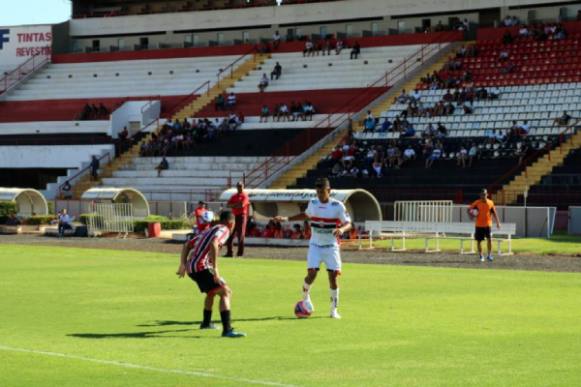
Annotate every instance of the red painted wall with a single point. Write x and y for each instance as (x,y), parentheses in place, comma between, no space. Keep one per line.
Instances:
(325,101)
(374,41)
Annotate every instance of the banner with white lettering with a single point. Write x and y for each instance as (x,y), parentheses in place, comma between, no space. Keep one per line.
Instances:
(19,43)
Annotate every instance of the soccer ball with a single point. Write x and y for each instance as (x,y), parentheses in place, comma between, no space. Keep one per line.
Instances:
(474,212)
(302,309)
(208,216)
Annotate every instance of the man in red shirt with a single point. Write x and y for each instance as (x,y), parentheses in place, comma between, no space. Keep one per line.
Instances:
(201,223)
(239,203)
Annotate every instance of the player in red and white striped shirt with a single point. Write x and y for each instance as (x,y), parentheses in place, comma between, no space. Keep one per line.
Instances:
(199,259)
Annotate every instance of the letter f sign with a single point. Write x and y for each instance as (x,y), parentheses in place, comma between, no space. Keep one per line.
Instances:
(4,37)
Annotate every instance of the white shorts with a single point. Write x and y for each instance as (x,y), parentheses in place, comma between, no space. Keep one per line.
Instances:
(329,255)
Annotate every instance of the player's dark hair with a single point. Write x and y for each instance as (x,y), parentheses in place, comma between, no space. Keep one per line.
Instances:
(226,216)
(322,182)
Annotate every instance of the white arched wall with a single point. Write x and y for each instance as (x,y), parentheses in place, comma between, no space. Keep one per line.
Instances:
(119,195)
(30,202)
(361,204)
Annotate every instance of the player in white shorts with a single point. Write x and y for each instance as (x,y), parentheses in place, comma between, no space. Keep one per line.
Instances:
(329,220)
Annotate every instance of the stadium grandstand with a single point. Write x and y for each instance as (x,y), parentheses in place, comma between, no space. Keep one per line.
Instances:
(406,101)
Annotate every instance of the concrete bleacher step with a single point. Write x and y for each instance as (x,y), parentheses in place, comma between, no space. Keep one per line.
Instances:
(441,58)
(188,111)
(533,174)
(291,177)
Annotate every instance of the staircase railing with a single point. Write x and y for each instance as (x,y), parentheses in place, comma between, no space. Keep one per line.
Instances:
(228,71)
(528,160)
(23,72)
(82,172)
(189,98)
(342,114)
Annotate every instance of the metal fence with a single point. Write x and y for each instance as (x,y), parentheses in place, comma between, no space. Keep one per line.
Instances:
(429,211)
(110,218)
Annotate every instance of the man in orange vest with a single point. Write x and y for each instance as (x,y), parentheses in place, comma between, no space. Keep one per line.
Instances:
(239,203)
(483,210)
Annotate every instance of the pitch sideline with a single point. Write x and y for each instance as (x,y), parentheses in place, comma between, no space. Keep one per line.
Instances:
(142,367)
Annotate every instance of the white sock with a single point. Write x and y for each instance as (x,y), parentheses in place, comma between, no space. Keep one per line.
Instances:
(306,292)
(334,293)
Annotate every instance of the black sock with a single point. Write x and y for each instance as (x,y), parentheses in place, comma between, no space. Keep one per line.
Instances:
(225,316)
(207,317)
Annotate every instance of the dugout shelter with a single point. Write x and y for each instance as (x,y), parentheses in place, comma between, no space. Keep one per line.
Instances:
(119,195)
(266,203)
(30,201)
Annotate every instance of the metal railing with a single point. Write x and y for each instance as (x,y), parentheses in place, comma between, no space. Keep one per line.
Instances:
(228,71)
(23,72)
(82,172)
(498,184)
(189,98)
(342,114)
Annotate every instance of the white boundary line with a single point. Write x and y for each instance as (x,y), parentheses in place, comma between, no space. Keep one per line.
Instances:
(142,367)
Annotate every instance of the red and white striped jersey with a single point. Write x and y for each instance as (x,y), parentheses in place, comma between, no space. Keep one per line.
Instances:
(325,217)
(200,245)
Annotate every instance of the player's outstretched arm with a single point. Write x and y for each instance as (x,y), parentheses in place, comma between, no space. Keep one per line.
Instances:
(183,259)
(496,218)
(294,218)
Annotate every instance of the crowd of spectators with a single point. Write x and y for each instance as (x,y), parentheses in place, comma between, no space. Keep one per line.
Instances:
(296,111)
(182,136)
(94,112)
(460,98)
(277,230)
(327,45)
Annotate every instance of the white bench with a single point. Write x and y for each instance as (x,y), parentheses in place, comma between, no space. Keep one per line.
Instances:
(437,231)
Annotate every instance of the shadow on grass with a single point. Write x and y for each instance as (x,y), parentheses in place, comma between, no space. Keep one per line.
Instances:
(132,335)
(163,323)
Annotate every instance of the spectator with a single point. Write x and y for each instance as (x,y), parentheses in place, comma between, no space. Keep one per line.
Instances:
(385,126)
(308,110)
(435,155)
(507,38)
(12,220)
(275,40)
(231,101)
(66,191)
(377,168)
(339,46)
(264,113)
(442,130)
(297,111)
(355,51)
(563,120)
(462,157)
(472,154)
(309,48)
(409,131)
(94,167)
(64,222)
(415,96)
(283,112)
(369,124)
(409,154)
(219,103)
(276,71)
(103,111)
(162,166)
(263,84)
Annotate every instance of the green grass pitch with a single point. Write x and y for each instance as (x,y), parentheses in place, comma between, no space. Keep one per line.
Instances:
(80,317)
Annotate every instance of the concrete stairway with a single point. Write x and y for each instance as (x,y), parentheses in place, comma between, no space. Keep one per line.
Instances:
(290,177)
(188,111)
(533,174)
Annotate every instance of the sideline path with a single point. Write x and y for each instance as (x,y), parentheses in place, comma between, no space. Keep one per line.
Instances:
(377,256)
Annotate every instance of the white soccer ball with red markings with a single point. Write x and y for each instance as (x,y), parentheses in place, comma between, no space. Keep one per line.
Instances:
(474,212)
(303,309)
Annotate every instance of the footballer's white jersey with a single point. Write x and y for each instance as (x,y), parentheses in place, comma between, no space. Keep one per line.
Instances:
(325,217)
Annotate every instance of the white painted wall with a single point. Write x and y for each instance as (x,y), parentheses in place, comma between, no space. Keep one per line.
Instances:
(54,156)
(134,113)
(286,14)
(55,127)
